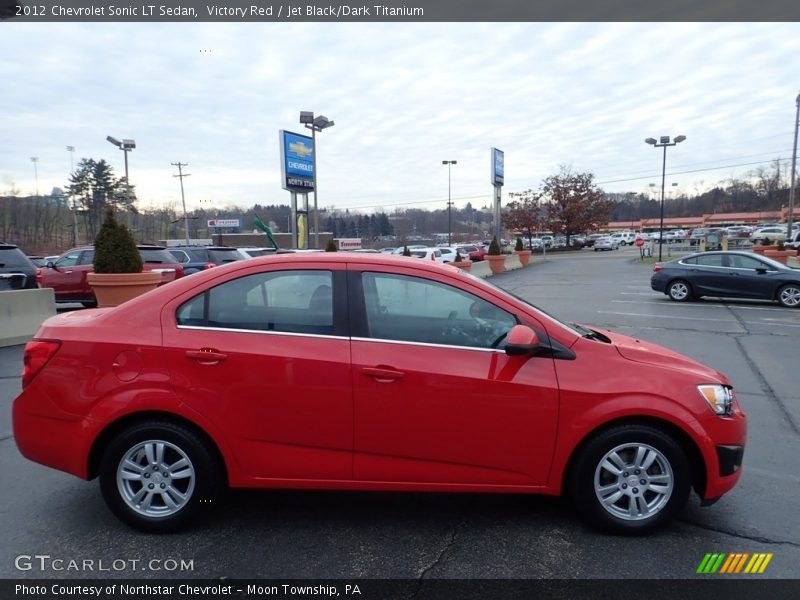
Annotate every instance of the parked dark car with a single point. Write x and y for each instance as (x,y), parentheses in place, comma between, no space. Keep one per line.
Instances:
(200,258)
(727,275)
(67,274)
(17,272)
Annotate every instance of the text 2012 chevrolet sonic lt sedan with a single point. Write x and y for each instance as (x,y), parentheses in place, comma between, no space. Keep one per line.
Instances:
(368,372)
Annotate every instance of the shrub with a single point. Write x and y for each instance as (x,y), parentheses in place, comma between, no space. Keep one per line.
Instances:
(115,249)
(458,257)
(494,248)
(766,242)
(518,246)
(781,245)
(330,246)
(406,251)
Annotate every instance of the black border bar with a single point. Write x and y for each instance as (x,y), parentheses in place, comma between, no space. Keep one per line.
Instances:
(288,11)
(702,588)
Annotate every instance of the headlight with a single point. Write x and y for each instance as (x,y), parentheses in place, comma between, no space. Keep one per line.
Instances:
(718,397)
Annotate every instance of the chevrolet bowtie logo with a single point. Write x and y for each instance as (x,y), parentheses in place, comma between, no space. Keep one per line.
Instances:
(301,149)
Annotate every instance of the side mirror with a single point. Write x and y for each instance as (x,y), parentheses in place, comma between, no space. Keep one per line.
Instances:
(50,264)
(522,341)
(761,270)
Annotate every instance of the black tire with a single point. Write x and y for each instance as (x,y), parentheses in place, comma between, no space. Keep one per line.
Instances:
(184,495)
(679,290)
(630,507)
(789,295)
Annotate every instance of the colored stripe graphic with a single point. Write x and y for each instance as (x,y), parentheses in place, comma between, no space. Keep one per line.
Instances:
(727,564)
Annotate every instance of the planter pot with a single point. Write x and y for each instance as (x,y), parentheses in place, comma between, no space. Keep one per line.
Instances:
(762,249)
(464,264)
(496,263)
(112,289)
(782,256)
(524,256)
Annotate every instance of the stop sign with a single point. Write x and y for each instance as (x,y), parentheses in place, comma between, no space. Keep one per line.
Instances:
(639,242)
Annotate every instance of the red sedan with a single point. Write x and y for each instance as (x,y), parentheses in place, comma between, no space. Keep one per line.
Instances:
(67,274)
(368,372)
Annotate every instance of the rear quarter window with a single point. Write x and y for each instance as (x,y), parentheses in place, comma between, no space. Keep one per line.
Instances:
(14,258)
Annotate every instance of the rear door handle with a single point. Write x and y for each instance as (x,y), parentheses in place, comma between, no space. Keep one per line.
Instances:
(206,356)
(383,374)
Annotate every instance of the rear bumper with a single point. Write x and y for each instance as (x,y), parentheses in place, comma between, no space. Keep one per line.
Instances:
(59,443)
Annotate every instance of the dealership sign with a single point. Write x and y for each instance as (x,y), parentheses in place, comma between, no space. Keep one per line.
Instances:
(297,162)
(498,166)
(223,223)
(349,243)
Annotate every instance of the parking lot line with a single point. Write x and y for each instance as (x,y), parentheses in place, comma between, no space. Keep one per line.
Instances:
(630,314)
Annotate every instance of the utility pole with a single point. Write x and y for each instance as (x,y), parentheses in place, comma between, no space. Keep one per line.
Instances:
(181,175)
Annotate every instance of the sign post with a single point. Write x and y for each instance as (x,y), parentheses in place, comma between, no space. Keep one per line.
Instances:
(498,178)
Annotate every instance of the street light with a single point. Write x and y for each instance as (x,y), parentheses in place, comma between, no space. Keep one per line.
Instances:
(449,203)
(125,146)
(663,142)
(71,150)
(315,124)
(794,163)
(34,160)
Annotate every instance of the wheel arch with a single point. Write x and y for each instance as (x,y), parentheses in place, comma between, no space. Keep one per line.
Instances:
(693,454)
(107,435)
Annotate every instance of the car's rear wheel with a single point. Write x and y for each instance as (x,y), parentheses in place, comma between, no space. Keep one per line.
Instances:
(679,290)
(789,295)
(631,479)
(156,476)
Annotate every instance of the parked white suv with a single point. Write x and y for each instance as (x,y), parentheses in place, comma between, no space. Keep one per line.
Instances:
(624,238)
(773,234)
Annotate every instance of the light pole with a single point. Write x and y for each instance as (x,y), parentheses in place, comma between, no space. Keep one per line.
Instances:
(71,150)
(34,160)
(181,175)
(663,142)
(449,203)
(125,146)
(315,124)
(794,164)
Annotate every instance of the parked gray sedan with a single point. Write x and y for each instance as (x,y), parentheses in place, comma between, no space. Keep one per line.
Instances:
(727,275)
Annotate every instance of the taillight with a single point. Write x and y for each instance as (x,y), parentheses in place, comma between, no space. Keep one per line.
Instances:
(37,354)
(209,265)
(657,267)
(39,277)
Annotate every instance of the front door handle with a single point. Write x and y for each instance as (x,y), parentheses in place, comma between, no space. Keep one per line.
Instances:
(383,374)
(206,356)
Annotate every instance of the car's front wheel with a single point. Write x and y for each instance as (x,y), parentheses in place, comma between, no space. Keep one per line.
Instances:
(789,295)
(631,479)
(156,476)
(679,290)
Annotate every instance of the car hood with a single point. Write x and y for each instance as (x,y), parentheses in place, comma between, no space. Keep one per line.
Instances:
(636,350)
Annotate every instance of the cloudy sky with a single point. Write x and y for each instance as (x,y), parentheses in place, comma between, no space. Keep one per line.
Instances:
(404,97)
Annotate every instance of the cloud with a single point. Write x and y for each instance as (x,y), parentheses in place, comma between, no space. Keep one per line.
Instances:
(403,96)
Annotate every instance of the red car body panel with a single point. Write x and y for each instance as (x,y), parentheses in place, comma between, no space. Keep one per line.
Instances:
(479,254)
(313,411)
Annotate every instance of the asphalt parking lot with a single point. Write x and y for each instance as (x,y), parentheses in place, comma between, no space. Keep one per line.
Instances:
(420,536)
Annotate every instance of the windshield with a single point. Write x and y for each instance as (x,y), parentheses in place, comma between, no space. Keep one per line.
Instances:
(221,255)
(571,328)
(152,255)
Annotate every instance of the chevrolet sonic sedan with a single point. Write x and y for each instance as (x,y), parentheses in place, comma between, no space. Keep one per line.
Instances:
(368,372)
(728,274)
